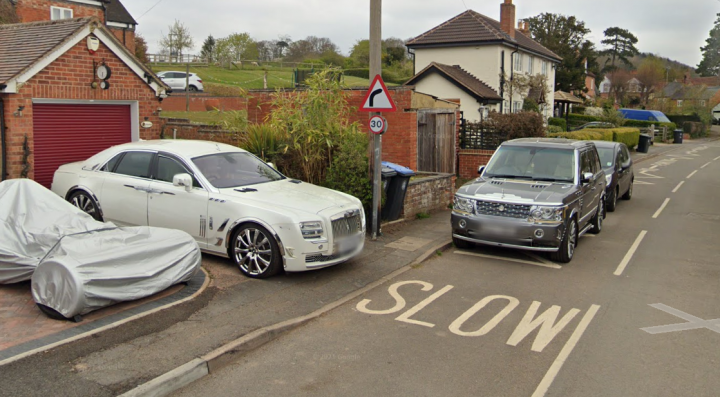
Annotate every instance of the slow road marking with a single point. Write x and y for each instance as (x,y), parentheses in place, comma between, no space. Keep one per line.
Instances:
(678,187)
(662,207)
(628,257)
(692,322)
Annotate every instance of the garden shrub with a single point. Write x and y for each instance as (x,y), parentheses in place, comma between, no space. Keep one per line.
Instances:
(647,124)
(361,73)
(607,134)
(554,129)
(582,135)
(265,142)
(224,90)
(556,121)
(349,170)
(628,136)
(518,125)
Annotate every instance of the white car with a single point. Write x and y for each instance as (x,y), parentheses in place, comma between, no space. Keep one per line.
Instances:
(230,201)
(178,80)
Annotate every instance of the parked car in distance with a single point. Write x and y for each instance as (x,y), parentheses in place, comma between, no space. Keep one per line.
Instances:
(645,115)
(618,167)
(232,203)
(178,80)
(537,194)
(594,124)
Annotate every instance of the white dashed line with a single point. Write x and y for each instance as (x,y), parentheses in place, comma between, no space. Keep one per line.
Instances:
(629,255)
(662,207)
(678,187)
(549,377)
(691,174)
(716,158)
(706,164)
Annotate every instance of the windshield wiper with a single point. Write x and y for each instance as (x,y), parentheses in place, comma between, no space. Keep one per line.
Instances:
(550,180)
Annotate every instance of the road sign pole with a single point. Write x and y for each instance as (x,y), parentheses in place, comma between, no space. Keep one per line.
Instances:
(375,70)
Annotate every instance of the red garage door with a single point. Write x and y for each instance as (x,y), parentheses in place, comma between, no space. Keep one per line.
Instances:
(68,133)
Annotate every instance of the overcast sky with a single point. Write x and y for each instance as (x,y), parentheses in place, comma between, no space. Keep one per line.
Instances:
(669,28)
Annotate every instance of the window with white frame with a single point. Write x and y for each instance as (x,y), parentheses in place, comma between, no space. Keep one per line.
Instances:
(531,61)
(544,68)
(517,106)
(518,62)
(679,103)
(60,13)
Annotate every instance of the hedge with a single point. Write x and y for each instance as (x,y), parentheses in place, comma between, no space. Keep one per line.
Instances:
(628,136)
(554,129)
(558,122)
(680,119)
(646,124)
(361,73)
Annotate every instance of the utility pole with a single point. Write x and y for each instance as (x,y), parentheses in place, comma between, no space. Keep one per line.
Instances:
(375,69)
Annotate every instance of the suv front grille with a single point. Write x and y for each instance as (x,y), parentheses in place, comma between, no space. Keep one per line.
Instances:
(344,227)
(518,211)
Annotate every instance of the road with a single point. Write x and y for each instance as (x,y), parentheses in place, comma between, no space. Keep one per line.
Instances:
(634,313)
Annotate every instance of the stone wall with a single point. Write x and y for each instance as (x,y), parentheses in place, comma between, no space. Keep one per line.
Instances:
(433,192)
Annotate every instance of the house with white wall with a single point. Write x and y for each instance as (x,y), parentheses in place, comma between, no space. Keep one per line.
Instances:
(489,51)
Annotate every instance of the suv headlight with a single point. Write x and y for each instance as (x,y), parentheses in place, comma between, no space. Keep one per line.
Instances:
(311,230)
(547,214)
(463,205)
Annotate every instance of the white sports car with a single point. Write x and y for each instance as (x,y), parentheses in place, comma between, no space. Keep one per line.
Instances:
(232,203)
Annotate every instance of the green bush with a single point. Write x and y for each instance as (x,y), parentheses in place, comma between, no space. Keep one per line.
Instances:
(607,134)
(695,129)
(556,121)
(361,73)
(349,170)
(554,129)
(680,119)
(582,135)
(265,142)
(517,125)
(529,105)
(578,109)
(628,136)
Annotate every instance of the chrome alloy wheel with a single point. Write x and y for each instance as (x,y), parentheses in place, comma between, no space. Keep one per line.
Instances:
(85,203)
(572,238)
(253,251)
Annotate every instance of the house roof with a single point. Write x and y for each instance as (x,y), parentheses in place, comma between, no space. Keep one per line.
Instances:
(472,28)
(116,12)
(27,48)
(461,78)
(671,88)
(22,44)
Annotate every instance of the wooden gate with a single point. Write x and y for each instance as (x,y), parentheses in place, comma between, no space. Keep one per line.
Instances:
(436,141)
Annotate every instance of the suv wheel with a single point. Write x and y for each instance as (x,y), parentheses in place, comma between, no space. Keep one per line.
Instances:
(568,244)
(612,200)
(597,220)
(193,88)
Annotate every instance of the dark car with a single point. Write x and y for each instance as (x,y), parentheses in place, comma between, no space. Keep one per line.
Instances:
(594,124)
(618,167)
(536,194)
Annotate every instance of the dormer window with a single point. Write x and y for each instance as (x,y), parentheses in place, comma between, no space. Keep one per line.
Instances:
(60,13)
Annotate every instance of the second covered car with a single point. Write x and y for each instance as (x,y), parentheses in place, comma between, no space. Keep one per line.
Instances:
(230,201)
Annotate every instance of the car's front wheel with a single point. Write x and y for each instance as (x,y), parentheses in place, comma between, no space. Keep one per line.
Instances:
(255,251)
(568,243)
(86,203)
(193,88)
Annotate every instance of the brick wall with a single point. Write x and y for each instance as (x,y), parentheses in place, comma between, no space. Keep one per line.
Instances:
(470,160)
(126,36)
(428,194)
(39,10)
(203,102)
(69,77)
(183,129)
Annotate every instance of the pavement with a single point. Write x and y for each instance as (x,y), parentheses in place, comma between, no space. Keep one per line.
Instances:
(198,334)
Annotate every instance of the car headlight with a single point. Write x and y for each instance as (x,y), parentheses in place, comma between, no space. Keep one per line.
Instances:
(608,179)
(463,205)
(552,214)
(311,230)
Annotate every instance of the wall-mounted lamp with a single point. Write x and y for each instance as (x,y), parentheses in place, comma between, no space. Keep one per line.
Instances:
(18,113)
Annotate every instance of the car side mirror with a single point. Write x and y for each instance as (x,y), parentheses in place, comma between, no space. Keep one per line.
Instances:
(183,180)
(627,165)
(481,169)
(588,177)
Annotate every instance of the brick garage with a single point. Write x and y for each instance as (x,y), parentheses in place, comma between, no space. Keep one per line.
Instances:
(62,73)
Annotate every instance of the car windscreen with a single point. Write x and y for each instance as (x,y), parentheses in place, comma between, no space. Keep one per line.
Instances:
(606,156)
(226,170)
(543,164)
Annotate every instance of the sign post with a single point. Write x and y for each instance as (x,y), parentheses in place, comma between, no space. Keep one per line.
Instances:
(377,100)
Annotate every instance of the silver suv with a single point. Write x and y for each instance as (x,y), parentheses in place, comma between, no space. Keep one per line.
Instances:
(537,194)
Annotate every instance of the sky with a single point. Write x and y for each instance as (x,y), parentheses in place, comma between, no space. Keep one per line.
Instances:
(668,28)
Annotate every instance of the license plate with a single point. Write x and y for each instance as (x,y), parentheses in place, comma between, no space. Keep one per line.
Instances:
(347,245)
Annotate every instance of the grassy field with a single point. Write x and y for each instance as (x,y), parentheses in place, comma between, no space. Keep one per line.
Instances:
(250,77)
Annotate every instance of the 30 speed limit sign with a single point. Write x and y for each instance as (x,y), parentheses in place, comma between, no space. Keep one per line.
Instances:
(378,125)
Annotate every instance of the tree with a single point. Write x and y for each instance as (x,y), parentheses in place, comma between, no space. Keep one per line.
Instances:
(566,37)
(141,48)
(208,49)
(621,46)
(619,79)
(177,40)
(650,74)
(710,63)
(7,13)
(242,46)
(393,52)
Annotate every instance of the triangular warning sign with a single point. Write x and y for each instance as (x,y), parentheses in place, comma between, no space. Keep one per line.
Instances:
(378,98)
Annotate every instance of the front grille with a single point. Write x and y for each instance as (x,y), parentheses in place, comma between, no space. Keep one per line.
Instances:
(344,227)
(518,211)
(319,258)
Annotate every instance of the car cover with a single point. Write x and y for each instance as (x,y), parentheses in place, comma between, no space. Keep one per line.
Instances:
(32,221)
(86,272)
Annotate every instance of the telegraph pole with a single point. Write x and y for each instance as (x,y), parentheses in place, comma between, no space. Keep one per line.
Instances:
(375,69)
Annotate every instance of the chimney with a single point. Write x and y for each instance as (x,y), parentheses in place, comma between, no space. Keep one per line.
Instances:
(507,18)
(524,28)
